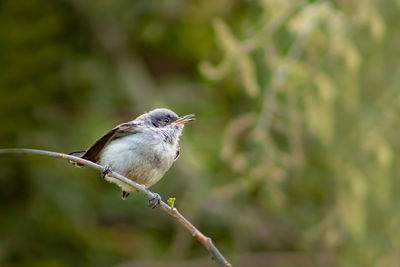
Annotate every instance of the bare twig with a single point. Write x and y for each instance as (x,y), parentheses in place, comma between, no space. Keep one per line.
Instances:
(204,240)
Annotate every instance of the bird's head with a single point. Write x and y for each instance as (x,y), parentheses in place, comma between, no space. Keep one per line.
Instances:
(163,117)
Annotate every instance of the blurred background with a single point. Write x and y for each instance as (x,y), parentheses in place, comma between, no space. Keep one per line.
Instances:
(291,161)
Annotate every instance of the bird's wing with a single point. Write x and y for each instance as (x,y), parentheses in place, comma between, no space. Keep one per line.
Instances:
(178,152)
(77,153)
(93,153)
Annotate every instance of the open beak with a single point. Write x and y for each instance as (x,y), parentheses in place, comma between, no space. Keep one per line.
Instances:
(184,119)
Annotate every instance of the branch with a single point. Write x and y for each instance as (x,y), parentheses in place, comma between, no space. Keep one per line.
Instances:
(204,240)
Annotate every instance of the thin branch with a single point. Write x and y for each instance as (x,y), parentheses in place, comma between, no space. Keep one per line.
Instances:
(204,240)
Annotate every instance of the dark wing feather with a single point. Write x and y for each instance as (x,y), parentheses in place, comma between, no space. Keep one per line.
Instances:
(77,153)
(177,153)
(93,153)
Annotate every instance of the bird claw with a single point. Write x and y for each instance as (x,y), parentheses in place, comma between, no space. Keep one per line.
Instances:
(106,171)
(125,194)
(155,201)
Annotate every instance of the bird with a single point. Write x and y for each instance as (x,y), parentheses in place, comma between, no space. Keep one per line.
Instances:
(142,150)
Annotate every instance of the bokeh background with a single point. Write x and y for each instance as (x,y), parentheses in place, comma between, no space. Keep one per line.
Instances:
(291,162)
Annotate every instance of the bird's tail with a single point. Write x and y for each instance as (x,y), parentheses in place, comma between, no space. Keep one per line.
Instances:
(77,154)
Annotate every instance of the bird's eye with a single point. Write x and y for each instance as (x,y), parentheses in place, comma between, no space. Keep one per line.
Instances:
(166,120)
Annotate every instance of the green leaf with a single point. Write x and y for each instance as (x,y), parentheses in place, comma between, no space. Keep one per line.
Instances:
(171,201)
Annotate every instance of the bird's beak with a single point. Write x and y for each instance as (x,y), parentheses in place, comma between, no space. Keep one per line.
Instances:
(184,119)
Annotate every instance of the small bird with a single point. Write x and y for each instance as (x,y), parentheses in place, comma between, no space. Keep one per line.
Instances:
(142,150)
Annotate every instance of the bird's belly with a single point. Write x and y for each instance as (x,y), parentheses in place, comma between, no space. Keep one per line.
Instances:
(142,161)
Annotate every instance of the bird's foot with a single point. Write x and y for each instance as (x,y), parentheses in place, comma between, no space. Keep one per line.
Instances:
(106,171)
(125,194)
(155,201)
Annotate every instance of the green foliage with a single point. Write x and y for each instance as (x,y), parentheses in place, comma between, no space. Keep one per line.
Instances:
(293,150)
(171,201)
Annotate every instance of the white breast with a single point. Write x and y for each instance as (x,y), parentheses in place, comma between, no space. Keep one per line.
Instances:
(142,157)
